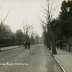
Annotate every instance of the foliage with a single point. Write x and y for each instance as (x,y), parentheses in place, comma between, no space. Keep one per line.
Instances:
(66,18)
(7,38)
(19,36)
(32,40)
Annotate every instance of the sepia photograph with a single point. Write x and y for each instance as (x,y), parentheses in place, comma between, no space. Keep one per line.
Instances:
(35,35)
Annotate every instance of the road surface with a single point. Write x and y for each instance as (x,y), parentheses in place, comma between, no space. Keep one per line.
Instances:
(37,59)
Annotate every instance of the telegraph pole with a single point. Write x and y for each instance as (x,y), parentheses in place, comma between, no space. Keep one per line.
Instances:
(51,34)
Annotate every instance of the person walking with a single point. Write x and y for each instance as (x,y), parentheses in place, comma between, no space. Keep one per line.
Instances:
(25,45)
(28,45)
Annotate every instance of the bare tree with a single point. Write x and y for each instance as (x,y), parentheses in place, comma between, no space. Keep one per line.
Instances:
(3,20)
(49,34)
(27,29)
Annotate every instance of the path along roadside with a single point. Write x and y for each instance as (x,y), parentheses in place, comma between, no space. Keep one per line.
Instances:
(8,48)
(64,59)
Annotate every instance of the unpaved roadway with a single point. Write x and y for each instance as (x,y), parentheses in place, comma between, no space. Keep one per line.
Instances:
(36,59)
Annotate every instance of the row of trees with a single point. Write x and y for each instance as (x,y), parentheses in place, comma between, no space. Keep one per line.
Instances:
(7,37)
(25,35)
(58,31)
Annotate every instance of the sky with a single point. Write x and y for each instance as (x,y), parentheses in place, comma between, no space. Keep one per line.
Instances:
(23,12)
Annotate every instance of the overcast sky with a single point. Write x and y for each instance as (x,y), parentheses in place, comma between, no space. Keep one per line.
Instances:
(26,12)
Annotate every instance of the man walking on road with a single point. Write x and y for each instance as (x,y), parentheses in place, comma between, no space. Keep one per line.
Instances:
(25,44)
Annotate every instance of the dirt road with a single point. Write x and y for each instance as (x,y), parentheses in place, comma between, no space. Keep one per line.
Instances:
(36,59)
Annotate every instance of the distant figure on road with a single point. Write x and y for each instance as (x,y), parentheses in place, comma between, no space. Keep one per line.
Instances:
(28,45)
(25,44)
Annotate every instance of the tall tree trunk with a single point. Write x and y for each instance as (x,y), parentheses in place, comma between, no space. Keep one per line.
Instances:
(53,48)
(49,40)
(53,43)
